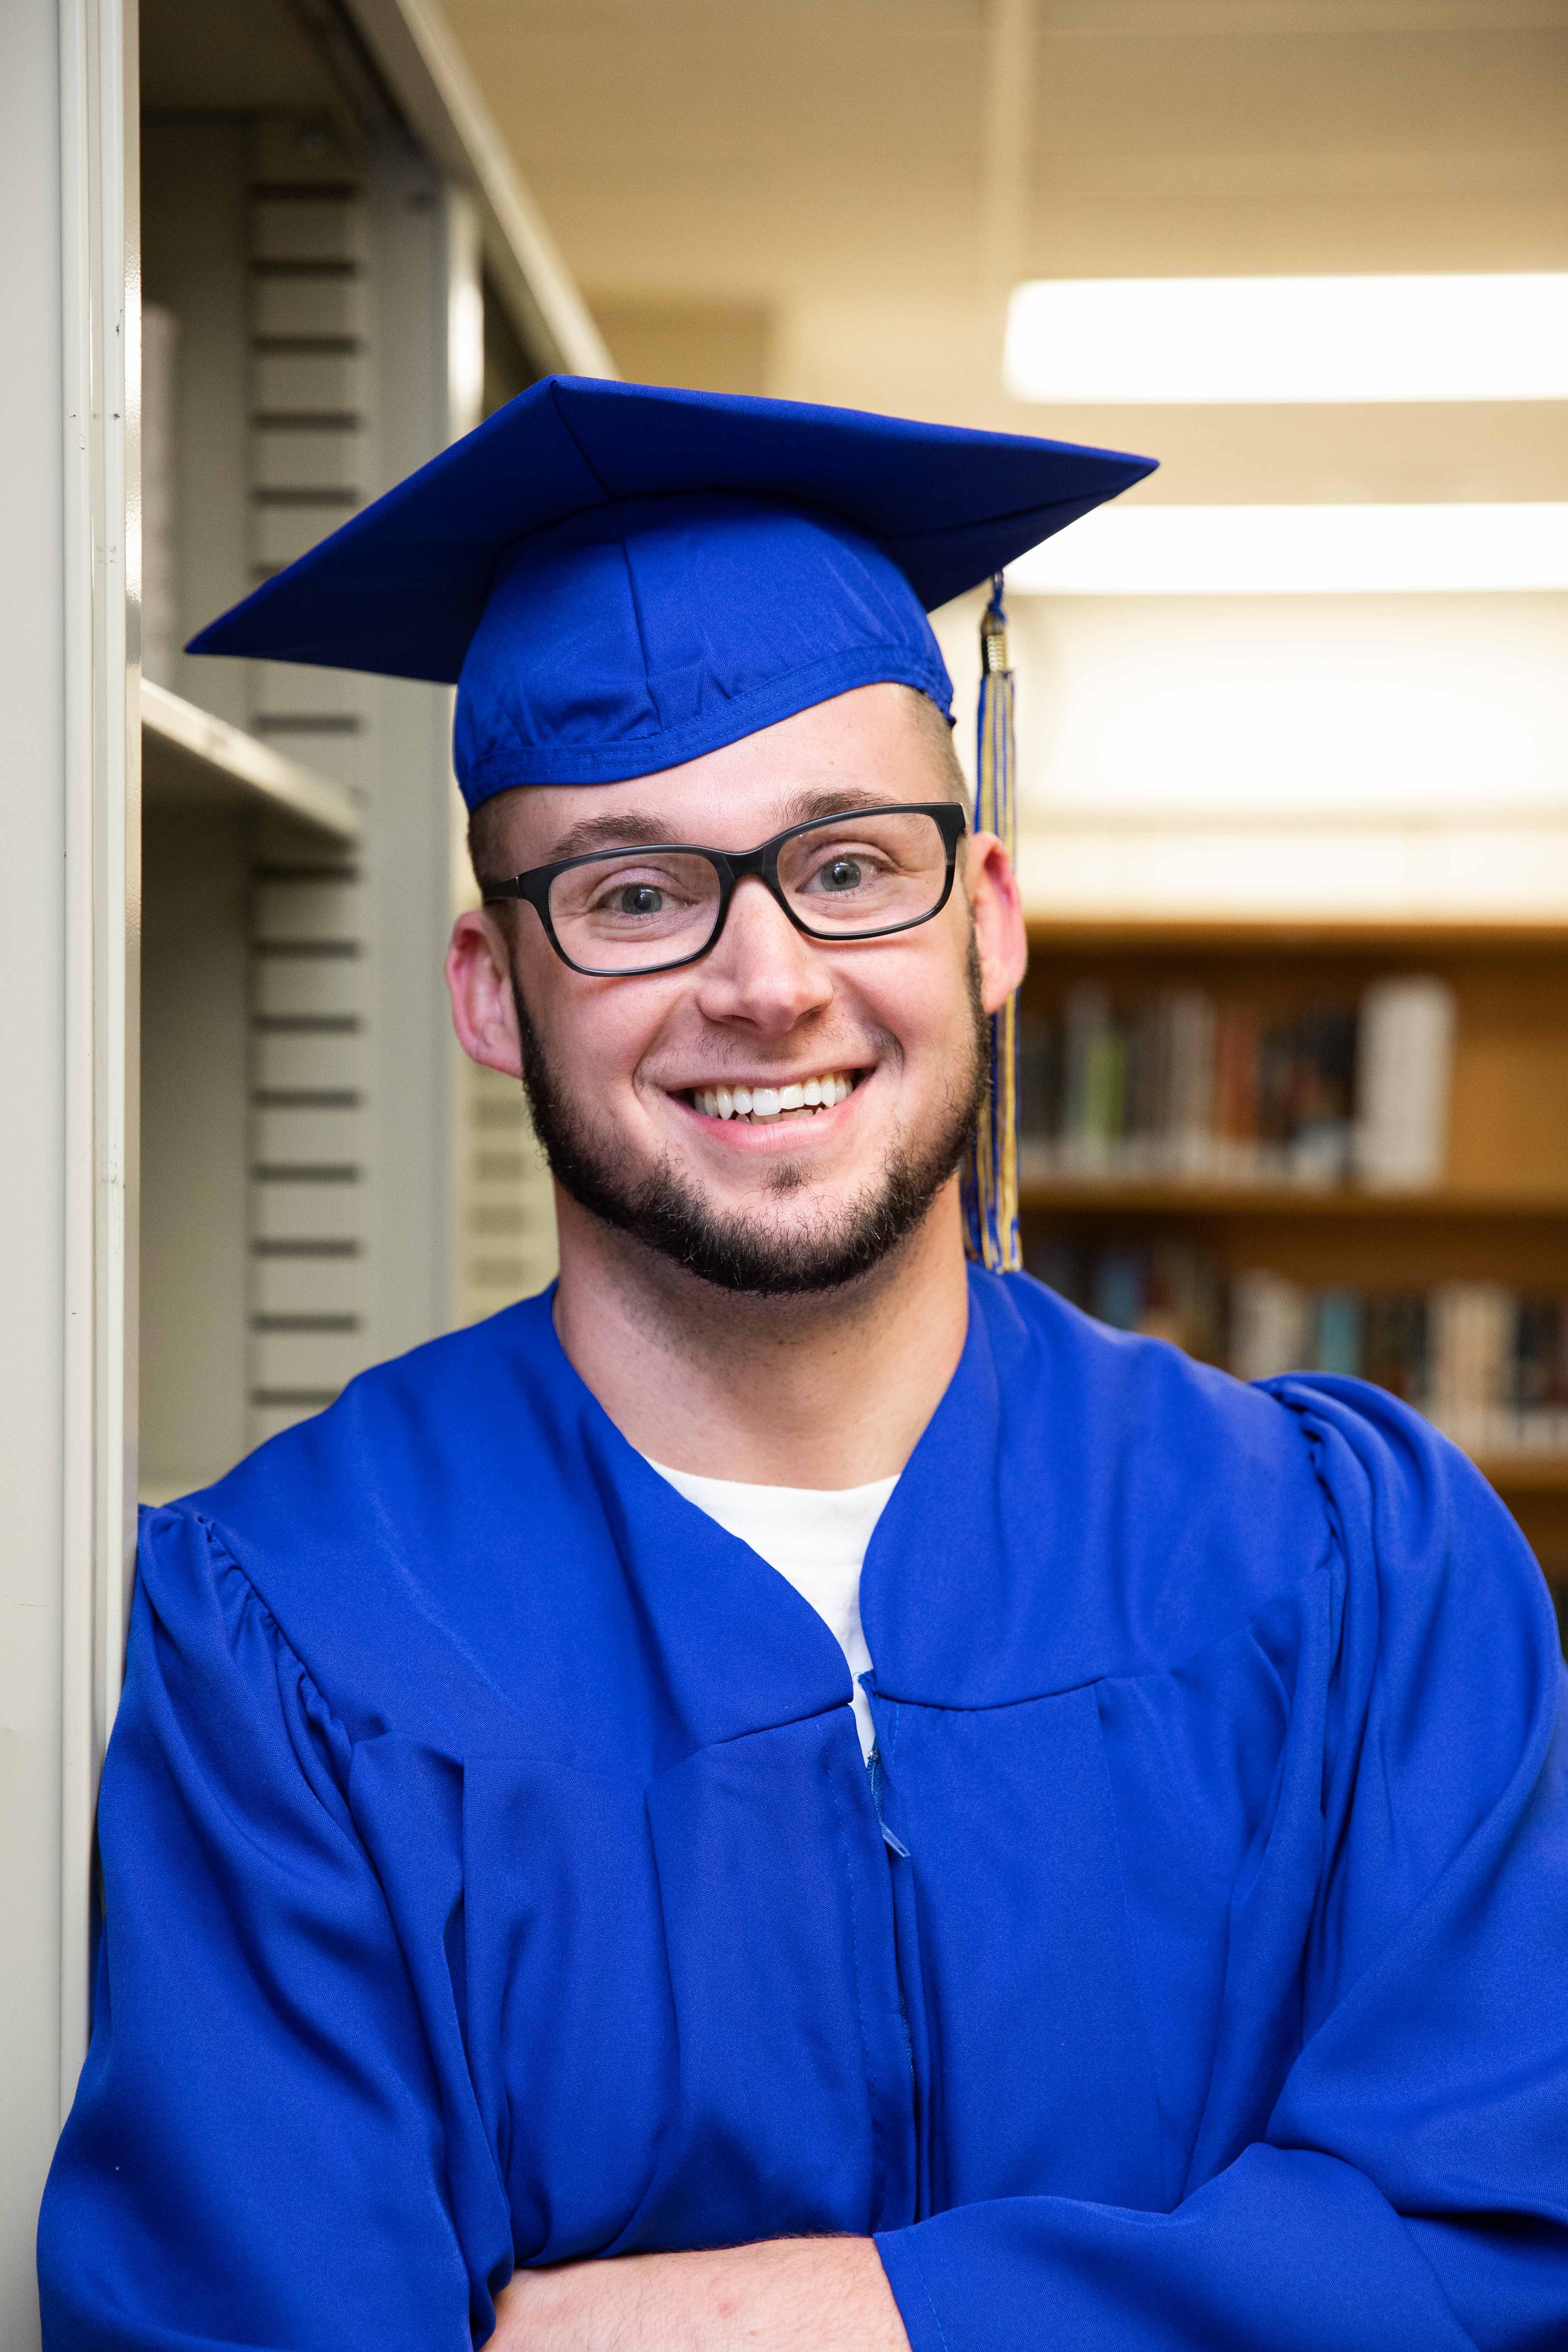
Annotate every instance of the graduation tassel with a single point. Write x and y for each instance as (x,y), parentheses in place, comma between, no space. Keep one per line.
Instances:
(990,1182)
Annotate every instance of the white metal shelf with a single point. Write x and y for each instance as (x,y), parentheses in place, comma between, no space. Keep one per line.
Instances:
(417,50)
(187,755)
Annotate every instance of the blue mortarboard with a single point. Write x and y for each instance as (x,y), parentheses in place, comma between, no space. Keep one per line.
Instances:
(619,578)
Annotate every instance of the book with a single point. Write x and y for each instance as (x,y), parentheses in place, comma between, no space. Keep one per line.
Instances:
(1473,1328)
(1236,1051)
(1092,1062)
(1268,1326)
(1402,1071)
(1188,1028)
(1322,1130)
(1336,1321)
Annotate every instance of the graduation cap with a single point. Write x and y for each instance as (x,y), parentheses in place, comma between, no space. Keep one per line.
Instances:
(618,578)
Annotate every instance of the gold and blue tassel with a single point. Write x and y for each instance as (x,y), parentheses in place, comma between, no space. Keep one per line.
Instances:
(990,1180)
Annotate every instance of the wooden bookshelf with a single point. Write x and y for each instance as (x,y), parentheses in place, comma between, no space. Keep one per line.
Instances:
(1525,1473)
(1224,936)
(1170,1196)
(1501,1211)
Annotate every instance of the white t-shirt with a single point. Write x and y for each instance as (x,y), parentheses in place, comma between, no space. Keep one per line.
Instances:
(815,1537)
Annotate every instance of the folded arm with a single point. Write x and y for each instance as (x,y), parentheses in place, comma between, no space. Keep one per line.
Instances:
(797,2295)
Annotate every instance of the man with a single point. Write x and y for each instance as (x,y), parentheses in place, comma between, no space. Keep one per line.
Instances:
(495,1882)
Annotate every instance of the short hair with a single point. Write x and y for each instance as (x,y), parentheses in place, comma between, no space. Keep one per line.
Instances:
(939,730)
(487,824)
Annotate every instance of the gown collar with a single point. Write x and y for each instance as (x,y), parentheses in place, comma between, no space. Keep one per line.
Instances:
(950,1616)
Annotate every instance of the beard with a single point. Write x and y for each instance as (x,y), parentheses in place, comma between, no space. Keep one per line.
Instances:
(729,1248)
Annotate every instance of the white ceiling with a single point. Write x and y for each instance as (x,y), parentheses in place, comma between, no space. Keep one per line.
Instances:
(788,148)
(823,163)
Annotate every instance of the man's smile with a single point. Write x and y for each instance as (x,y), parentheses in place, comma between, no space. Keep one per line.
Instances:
(763,1103)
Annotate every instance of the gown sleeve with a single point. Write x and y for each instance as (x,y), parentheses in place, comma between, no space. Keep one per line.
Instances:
(255,2155)
(1409,2192)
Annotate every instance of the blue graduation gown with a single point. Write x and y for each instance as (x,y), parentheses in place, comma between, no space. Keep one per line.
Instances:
(491,1876)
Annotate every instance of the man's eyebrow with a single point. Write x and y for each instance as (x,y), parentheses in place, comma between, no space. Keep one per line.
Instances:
(638,828)
(631,829)
(833,800)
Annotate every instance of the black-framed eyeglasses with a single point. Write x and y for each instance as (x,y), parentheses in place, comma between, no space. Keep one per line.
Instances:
(861,875)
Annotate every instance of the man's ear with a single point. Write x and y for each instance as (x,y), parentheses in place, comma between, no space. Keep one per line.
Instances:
(478,982)
(1000,938)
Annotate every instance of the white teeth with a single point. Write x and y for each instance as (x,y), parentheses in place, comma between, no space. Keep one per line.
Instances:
(773,1102)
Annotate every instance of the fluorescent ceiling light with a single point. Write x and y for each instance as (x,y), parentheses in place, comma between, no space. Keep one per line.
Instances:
(1240,340)
(1300,551)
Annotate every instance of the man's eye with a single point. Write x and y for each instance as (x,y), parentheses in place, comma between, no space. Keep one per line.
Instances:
(841,874)
(638,898)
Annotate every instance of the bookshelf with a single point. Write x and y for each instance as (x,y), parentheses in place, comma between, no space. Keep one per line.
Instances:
(1498,1215)
(1341,1203)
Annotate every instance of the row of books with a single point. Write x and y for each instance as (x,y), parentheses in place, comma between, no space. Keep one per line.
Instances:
(1178,1084)
(1488,1364)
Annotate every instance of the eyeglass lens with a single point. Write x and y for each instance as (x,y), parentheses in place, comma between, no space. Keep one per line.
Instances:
(633,909)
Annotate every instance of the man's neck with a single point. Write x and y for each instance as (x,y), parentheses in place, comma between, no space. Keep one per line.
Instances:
(831,1389)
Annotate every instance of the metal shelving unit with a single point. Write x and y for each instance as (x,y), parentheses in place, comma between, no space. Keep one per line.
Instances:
(228,886)
(346,272)
(192,761)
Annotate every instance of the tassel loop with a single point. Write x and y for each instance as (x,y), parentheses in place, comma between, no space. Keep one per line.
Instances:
(994,634)
(990,1180)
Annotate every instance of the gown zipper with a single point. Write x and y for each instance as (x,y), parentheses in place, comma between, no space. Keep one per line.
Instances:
(897,1851)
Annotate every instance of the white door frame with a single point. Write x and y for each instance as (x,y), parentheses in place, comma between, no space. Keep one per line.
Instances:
(100,351)
(70,835)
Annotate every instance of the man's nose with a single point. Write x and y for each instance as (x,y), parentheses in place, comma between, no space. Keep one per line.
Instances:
(763,970)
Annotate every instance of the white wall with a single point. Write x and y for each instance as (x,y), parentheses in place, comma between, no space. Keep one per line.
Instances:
(1320,758)
(1321,706)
